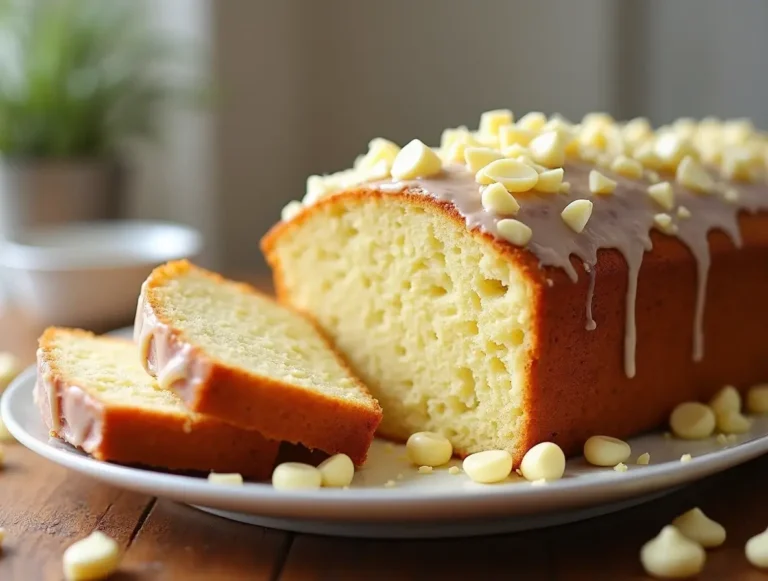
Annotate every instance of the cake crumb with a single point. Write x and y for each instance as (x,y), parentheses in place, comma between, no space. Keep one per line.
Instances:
(686,458)
(390,483)
(454,470)
(644,459)
(620,467)
(425,469)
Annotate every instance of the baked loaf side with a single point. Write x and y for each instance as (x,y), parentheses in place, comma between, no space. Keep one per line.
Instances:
(605,275)
(235,354)
(93,393)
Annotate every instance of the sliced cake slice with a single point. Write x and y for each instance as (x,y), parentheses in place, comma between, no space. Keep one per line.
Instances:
(93,393)
(233,353)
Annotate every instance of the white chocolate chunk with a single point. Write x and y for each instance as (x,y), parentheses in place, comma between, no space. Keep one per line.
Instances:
(548,149)
(489,466)
(701,529)
(379,150)
(672,149)
(514,231)
(565,188)
(336,471)
(644,459)
(290,210)
(550,181)
(733,423)
(663,194)
(627,167)
(512,135)
(637,130)
(652,176)
(429,449)
(599,184)
(533,121)
(756,550)
(664,223)
(425,469)
(516,150)
(296,476)
(691,174)
(606,451)
(491,121)
(497,200)
(95,557)
(232,478)
(692,421)
(645,154)
(416,160)
(757,399)
(545,461)
(620,467)
(454,470)
(683,212)
(512,174)
(671,555)
(477,158)
(731,195)
(577,214)
(686,458)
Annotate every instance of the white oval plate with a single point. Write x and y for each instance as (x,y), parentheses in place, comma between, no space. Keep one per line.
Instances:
(418,505)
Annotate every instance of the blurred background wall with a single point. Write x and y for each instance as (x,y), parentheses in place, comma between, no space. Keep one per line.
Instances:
(303,86)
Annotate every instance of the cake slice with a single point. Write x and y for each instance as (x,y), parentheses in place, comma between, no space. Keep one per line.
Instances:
(93,393)
(233,353)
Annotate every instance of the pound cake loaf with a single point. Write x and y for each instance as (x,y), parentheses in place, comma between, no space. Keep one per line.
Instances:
(233,353)
(93,393)
(538,280)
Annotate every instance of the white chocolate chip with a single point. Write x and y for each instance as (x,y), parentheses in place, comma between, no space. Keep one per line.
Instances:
(620,467)
(627,167)
(429,449)
(96,556)
(9,369)
(290,210)
(565,188)
(516,150)
(757,399)
(722,439)
(477,158)
(726,400)
(686,458)
(644,459)
(637,130)
(548,149)
(416,160)
(692,421)
(497,200)
(756,550)
(671,555)
(489,466)
(662,194)
(577,214)
(606,451)
(652,176)
(545,461)
(336,471)
(550,181)
(512,174)
(514,231)
(380,151)
(599,184)
(672,149)
(296,476)
(733,423)
(232,478)
(701,529)
(683,213)
(691,174)
(511,135)
(533,121)
(454,470)
(664,223)
(731,195)
(491,121)
(647,156)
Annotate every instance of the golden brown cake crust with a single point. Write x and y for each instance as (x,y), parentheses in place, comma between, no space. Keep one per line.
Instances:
(277,409)
(577,386)
(130,435)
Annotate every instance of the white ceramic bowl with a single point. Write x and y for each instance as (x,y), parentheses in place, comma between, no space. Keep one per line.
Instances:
(88,274)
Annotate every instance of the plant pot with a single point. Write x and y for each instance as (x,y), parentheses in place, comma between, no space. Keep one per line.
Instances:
(39,192)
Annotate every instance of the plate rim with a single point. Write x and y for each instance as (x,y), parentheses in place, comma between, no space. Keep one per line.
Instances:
(385,504)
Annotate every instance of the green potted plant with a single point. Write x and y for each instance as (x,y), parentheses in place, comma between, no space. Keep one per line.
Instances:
(79,79)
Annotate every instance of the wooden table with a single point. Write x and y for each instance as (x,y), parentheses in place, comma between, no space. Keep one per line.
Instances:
(44,508)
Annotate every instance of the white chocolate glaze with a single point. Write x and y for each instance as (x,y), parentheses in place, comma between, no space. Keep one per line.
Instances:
(621,221)
(164,356)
